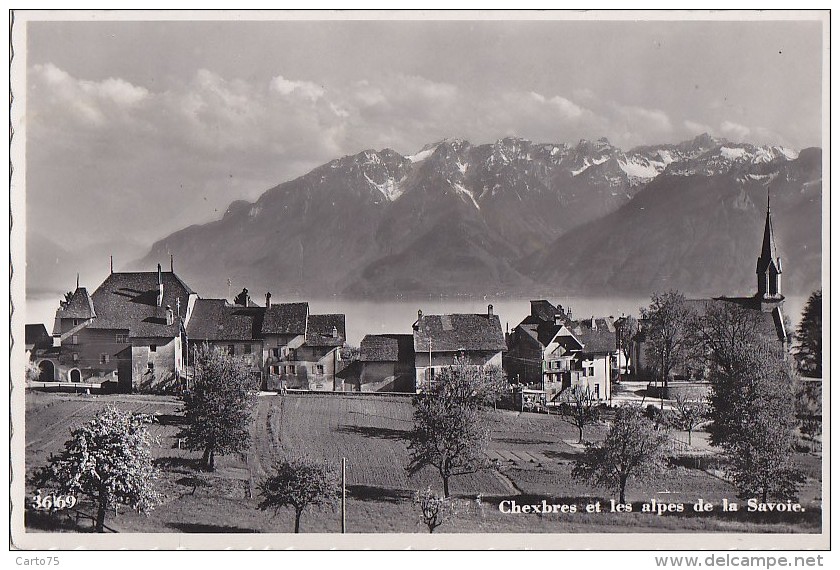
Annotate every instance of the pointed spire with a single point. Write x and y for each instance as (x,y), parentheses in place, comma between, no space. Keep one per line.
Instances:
(768,246)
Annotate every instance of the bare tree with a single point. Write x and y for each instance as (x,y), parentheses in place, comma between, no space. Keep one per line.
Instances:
(451,425)
(689,412)
(580,407)
(633,449)
(434,509)
(300,482)
(669,323)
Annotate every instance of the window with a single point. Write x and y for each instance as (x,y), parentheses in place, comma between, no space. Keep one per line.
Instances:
(275,352)
(74,339)
(597,391)
(151,366)
(152,348)
(275,370)
(290,369)
(319,369)
(246,349)
(104,358)
(75,322)
(75,357)
(122,338)
(231,349)
(291,354)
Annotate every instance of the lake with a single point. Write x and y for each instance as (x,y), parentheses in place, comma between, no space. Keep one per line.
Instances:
(397,316)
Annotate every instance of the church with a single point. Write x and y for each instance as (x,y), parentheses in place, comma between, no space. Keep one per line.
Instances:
(768,300)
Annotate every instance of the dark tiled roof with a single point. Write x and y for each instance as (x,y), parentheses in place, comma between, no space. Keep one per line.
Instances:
(37,335)
(387,348)
(79,307)
(286,318)
(598,339)
(771,322)
(544,310)
(216,319)
(351,372)
(128,301)
(451,333)
(320,329)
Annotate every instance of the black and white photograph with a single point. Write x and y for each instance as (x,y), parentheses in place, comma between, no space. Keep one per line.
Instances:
(419,279)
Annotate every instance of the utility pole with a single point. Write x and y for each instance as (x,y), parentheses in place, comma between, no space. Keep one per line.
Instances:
(343,495)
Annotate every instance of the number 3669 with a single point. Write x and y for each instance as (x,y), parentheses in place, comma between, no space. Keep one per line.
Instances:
(53,502)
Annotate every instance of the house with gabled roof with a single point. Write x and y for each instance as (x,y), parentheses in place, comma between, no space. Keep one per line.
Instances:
(301,350)
(550,351)
(233,328)
(385,364)
(129,331)
(439,339)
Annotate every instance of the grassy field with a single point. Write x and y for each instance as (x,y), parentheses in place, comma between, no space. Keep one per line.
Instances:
(533,455)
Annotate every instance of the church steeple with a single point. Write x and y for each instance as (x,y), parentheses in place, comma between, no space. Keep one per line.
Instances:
(769,266)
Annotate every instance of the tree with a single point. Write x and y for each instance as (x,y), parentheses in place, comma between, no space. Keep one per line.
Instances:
(753,420)
(68,296)
(689,412)
(808,349)
(451,426)
(669,322)
(627,328)
(580,407)
(107,459)
(300,482)
(434,509)
(219,405)
(633,450)
(33,372)
(809,407)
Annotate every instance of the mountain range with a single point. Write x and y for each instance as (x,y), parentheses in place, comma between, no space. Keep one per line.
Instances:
(517,218)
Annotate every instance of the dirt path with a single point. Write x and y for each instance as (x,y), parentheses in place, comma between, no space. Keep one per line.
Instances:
(262,445)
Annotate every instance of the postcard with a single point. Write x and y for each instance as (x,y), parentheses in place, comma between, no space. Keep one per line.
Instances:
(432,280)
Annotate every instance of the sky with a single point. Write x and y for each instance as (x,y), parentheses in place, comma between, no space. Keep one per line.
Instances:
(137,129)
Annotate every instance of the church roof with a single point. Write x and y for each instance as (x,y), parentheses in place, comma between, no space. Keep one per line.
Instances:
(769,254)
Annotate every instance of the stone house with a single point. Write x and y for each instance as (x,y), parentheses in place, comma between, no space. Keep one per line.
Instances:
(130,331)
(301,350)
(386,364)
(439,339)
(233,328)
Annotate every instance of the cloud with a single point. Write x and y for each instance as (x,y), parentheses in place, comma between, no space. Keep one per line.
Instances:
(306,89)
(734,131)
(695,128)
(108,154)
(646,119)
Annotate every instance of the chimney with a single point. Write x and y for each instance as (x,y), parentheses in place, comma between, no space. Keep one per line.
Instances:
(160,287)
(569,312)
(594,326)
(170,316)
(558,319)
(268,299)
(112,264)
(489,311)
(335,332)
(419,314)
(171,263)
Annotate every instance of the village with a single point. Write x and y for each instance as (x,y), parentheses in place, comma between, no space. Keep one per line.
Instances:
(137,331)
(134,343)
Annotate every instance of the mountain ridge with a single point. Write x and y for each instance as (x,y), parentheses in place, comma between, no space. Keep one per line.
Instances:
(456,218)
